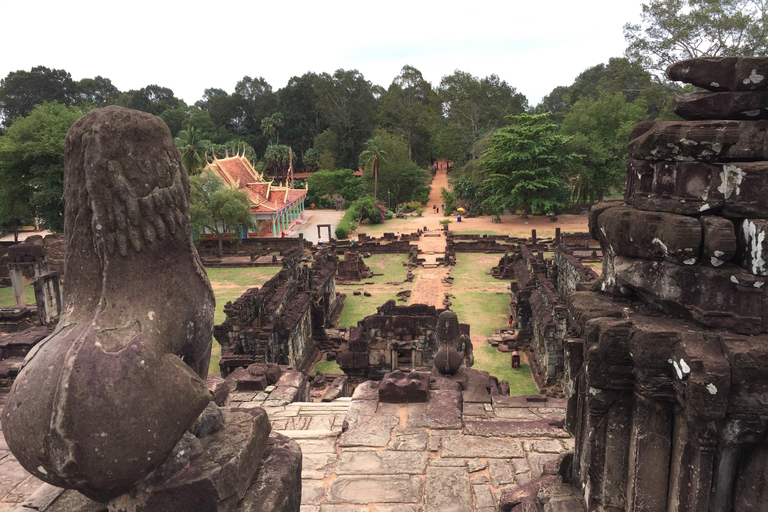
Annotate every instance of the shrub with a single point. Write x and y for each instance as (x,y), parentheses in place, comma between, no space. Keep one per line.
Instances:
(420,211)
(348,222)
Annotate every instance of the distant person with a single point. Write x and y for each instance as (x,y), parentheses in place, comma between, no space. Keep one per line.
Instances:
(320,242)
(511,319)
(443,207)
(313,206)
(398,236)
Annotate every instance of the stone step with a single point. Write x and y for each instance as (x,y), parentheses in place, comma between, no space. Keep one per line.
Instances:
(308,434)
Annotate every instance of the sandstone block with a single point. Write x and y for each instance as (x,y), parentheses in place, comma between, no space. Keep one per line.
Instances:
(745,186)
(447,490)
(650,235)
(400,387)
(701,140)
(383,489)
(277,487)
(688,291)
(722,73)
(719,240)
(685,188)
(469,446)
(381,463)
(753,246)
(748,105)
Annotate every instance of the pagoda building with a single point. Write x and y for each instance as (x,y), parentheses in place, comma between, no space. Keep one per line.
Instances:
(273,207)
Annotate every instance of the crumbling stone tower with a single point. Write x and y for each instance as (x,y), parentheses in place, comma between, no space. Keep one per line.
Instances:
(669,385)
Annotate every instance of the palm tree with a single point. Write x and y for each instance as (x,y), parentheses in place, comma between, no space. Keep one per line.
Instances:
(270,125)
(374,151)
(192,149)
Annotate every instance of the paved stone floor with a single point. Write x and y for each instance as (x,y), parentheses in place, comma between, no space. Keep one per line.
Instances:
(362,455)
(388,460)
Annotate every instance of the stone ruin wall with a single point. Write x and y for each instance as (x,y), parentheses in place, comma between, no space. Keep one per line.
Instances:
(278,323)
(408,331)
(248,246)
(569,273)
(667,371)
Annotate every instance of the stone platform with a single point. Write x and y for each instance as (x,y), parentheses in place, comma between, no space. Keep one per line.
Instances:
(360,455)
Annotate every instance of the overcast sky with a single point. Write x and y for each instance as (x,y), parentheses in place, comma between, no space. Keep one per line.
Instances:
(190,46)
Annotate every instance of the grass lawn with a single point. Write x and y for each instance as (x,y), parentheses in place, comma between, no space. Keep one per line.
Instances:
(390,226)
(499,365)
(480,300)
(6,295)
(228,284)
(327,367)
(358,307)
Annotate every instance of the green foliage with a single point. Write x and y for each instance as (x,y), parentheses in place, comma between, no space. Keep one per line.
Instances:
(370,210)
(193,150)
(473,107)
(312,160)
(411,108)
(217,208)
(346,102)
(526,162)
(448,197)
(21,91)
(271,125)
(348,222)
(672,30)
(600,129)
(277,158)
(399,179)
(445,222)
(324,185)
(32,166)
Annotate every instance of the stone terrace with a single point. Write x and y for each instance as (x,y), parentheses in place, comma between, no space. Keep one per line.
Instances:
(386,460)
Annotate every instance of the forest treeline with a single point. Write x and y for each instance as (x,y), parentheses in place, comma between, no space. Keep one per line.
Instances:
(340,120)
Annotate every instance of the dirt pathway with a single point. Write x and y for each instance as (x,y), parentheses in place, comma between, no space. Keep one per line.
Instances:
(428,286)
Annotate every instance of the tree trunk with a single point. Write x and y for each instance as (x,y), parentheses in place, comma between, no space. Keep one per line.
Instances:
(221,248)
(375,178)
(526,211)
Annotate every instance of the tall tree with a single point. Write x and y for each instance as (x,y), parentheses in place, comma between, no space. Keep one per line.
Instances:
(410,108)
(98,91)
(600,129)
(398,177)
(218,209)
(348,105)
(32,164)
(21,91)
(372,156)
(672,30)
(478,105)
(297,101)
(271,125)
(526,165)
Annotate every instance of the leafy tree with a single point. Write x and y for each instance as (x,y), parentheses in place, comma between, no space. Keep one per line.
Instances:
(21,91)
(32,165)
(152,99)
(271,125)
(278,158)
(324,185)
(193,150)
(297,101)
(600,129)
(478,105)
(372,156)
(347,104)
(401,178)
(255,101)
(671,30)
(218,209)
(526,163)
(223,110)
(410,108)
(312,160)
(98,92)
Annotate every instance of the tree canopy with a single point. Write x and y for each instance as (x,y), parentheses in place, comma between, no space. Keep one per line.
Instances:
(672,30)
(32,166)
(217,209)
(526,165)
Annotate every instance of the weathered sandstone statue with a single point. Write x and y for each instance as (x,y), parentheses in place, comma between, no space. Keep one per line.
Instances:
(104,400)
(453,347)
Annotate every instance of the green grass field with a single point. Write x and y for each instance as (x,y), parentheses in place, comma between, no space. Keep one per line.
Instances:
(228,284)
(499,365)
(357,307)
(6,295)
